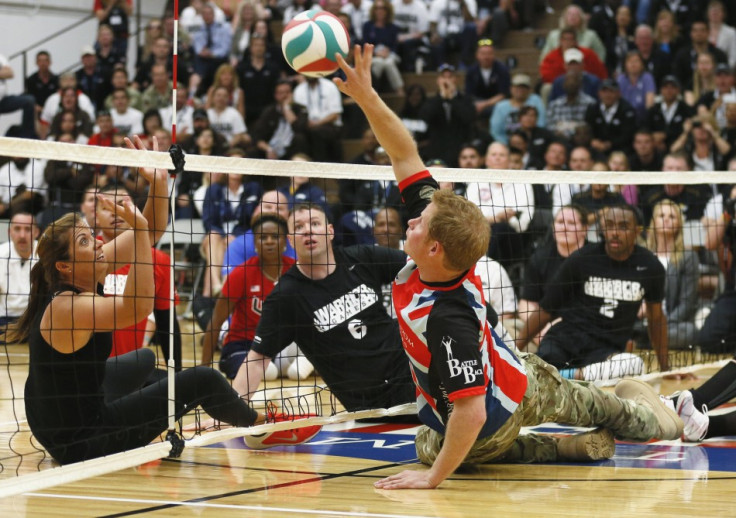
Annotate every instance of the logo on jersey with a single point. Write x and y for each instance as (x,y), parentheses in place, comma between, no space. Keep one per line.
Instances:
(616,289)
(256,305)
(344,308)
(467,368)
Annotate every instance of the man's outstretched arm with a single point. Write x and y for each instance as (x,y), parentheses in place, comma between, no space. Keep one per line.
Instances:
(386,125)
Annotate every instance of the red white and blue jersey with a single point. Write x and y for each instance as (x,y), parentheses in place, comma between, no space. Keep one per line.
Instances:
(453,351)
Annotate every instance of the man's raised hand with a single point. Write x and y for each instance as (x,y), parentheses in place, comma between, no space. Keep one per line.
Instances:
(358,81)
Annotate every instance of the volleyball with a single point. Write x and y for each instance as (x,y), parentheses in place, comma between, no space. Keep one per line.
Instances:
(311,39)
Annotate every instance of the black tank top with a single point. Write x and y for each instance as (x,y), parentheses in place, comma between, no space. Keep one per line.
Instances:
(63,394)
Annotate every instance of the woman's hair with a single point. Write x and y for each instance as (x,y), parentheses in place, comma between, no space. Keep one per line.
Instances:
(581,14)
(226,67)
(460,227)
(664,13)
(652,243)
(635,54)
(53,246)
(699,82)
(389,11)
(408,110)
(621,156)
(265,217)
(152,113)
(258,13)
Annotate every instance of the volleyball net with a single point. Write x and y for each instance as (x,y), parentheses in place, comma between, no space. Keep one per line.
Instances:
(532,234)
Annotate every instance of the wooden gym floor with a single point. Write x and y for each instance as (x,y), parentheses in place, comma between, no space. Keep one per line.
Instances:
(332,476)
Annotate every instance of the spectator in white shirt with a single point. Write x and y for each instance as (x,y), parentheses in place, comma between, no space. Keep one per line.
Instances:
(52,106)
(184,114)
(324,110)
(17,256)
(227,120)
(127,121)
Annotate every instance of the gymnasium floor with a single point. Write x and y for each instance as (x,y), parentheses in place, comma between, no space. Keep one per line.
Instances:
(333,476)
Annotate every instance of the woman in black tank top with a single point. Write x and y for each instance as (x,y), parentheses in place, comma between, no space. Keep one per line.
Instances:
(68,327)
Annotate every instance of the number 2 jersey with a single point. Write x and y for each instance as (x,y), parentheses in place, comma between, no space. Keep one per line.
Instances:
(453,351)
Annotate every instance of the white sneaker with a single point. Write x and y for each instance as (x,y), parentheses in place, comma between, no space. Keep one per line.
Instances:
(696,422)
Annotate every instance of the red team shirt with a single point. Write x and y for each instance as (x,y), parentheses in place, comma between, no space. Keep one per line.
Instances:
(131,338)
(247,285)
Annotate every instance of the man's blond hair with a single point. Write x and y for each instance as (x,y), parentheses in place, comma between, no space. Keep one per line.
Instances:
(460,227)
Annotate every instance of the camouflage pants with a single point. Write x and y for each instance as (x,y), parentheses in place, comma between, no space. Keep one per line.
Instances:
(549,398)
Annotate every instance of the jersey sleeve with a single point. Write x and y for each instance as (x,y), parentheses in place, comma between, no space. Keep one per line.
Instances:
(272,336)
(655,290)
(385,262)
(417,191)
(452,338)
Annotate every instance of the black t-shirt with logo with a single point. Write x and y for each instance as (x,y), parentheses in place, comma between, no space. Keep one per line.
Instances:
(340,324)
(600,296)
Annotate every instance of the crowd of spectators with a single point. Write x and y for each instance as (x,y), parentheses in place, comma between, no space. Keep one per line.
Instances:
(623,85)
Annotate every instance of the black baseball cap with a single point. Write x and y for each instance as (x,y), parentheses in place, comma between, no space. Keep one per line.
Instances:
(445,67)
(669,79)
(723,68)
(200,113)
(609,84)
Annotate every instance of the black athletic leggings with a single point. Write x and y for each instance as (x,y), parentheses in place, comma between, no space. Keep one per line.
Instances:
(136,419)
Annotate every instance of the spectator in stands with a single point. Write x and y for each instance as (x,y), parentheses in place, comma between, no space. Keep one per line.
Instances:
(666,118)
(574,65)
(227,210)
(151,123)
(665,240)
(68,122)
(657,62)
(323,102)
(613,121)
(259,76)
(211,46)
(574,18)
(200,122)
(82,122)
(115,14)
(281,130)
(412,18)
(685,12)
(244,291)
(597,196)
(105,130)
(411,117)
(106,52)
(227,77)
(119,79)
(158,94)
(127,120)
(66,182)
(508,207)
(388,230)
(667,34)
(566,113)
(242,248)
(227,120)
(43,83)
(703,143)
(684,64)
(637,85)
(450,117)
(711,102)
(505,117)
(154,31)
(358,12)
(597,292)
(569,231)
(452,29)
(537,137)
(728,130)
(721,34)
(160,55)
(581,159)
(54,104)
(184,114)
(91,79)
(552,64)
(691,198)
(703,79)
(646,157)
(619,37)
(243,24)
(192,20)
(11,103)
(17,257)
(487,81)
(381,31)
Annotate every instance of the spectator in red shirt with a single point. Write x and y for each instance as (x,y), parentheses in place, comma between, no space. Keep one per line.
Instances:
(105,130)
(244,291)
(553,64)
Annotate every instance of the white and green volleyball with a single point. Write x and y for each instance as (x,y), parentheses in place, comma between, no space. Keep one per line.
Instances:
(311,40)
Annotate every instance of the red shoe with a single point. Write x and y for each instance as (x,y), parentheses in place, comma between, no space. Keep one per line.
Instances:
(289,437)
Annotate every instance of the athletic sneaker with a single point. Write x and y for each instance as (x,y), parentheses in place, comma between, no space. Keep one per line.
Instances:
(585,447)
(670,424)
(696,422)
(288,437)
